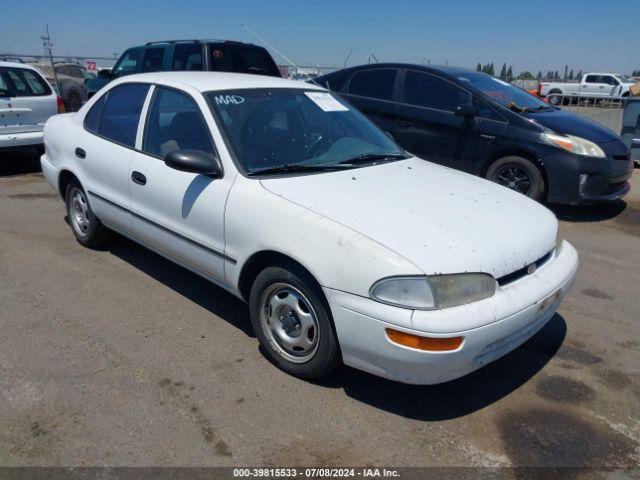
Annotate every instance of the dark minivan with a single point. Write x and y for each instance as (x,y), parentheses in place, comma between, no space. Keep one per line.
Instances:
(211,55)
(479,124)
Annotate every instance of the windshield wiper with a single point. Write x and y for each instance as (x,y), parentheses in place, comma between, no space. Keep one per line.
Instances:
(297,167)
(516,108)
(373,157)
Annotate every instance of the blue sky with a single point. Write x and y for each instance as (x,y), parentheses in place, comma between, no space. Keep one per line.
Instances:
(534,35)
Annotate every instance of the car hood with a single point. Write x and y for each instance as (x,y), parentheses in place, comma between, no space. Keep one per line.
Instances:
(439,219)
(561,121)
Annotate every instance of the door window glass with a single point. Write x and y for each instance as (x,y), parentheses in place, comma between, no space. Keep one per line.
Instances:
(128,63)
(429,91)
(152,59)
(92,120)
(376,83)
(485,111)
(187,56)
(121,113)
(592,79)
(174,122)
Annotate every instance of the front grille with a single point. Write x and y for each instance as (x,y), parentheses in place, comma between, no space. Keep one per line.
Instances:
(524,271)
(624,157)
(614,187)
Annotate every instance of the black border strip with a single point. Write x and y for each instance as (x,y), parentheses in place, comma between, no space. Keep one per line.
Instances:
(162,227)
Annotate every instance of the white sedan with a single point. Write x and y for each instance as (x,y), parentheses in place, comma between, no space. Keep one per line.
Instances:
(346,248)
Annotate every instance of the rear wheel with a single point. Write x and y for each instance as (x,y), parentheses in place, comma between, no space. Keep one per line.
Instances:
(73,102)
(555,98)
(86,227)
(292,321)
(519,174)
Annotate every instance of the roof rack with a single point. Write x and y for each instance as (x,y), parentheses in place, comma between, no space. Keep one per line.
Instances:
(195,40)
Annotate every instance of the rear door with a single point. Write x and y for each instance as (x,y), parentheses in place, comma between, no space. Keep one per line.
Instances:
(105,150)
(26,101)
(595,86)
(153,59)
(427,125)
(187,56)
(372,91)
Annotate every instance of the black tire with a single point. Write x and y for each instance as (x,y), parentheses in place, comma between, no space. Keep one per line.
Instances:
(73,102)
(507,170)
(555,98)
(326,354)
(86,227)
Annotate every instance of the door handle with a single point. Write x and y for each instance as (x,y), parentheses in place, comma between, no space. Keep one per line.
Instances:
(404,123)
(80,153)
(137,177)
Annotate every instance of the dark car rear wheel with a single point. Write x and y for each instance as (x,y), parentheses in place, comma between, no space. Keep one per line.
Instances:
(73,102)
(519,174)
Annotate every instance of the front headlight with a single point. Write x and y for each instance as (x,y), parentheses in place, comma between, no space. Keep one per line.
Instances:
(573,144)
(434,291)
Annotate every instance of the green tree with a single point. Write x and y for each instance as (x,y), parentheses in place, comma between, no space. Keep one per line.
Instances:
(539,76)
(571,74)
(492,70)
(510,73)
(478,68)
(503,71)
(527,75)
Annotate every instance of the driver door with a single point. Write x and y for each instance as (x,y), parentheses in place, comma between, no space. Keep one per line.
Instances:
(179,214)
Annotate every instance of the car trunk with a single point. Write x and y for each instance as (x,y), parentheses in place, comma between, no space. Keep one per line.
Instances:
(26,101)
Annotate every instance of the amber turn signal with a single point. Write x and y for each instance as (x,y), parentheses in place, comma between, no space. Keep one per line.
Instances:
(424,343)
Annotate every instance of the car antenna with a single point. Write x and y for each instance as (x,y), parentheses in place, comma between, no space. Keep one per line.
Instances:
(289,61)
(347,59)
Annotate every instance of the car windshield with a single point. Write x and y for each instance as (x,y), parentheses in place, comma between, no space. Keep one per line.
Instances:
(284,127)
(624,79)
(502,92)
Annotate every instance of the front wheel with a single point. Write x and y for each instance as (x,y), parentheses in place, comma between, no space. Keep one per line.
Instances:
(293,322)
(519,174)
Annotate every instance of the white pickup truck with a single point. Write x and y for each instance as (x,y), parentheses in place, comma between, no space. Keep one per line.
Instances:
(591,85)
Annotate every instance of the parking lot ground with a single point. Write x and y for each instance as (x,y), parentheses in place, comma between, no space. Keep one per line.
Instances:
(118,357)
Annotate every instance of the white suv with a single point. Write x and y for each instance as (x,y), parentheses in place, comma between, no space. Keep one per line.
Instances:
(26,102)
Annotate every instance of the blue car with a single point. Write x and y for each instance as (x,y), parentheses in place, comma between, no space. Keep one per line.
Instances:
(473,122)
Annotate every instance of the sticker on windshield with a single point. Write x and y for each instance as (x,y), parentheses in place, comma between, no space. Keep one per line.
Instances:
(229,100)
(326,101)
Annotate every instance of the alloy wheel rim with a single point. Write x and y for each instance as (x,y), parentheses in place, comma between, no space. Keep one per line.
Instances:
(289,322)
(79,213)
(514,177)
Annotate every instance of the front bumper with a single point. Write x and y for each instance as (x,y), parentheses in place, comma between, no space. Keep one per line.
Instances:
(22,139)
(575,180)
(491,328)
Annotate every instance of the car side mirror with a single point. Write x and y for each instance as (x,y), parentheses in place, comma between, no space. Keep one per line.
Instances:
(194,161)
(465,110)
(106,74)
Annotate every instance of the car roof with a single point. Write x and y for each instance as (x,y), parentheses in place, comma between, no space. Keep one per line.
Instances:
(17,65)
(211,81)
(415,66)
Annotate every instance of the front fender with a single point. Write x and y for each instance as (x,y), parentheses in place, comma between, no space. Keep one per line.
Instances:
(337,256)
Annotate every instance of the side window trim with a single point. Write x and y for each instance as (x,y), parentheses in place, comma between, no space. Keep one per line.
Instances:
(401,98)
(143,118)
(147,109)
